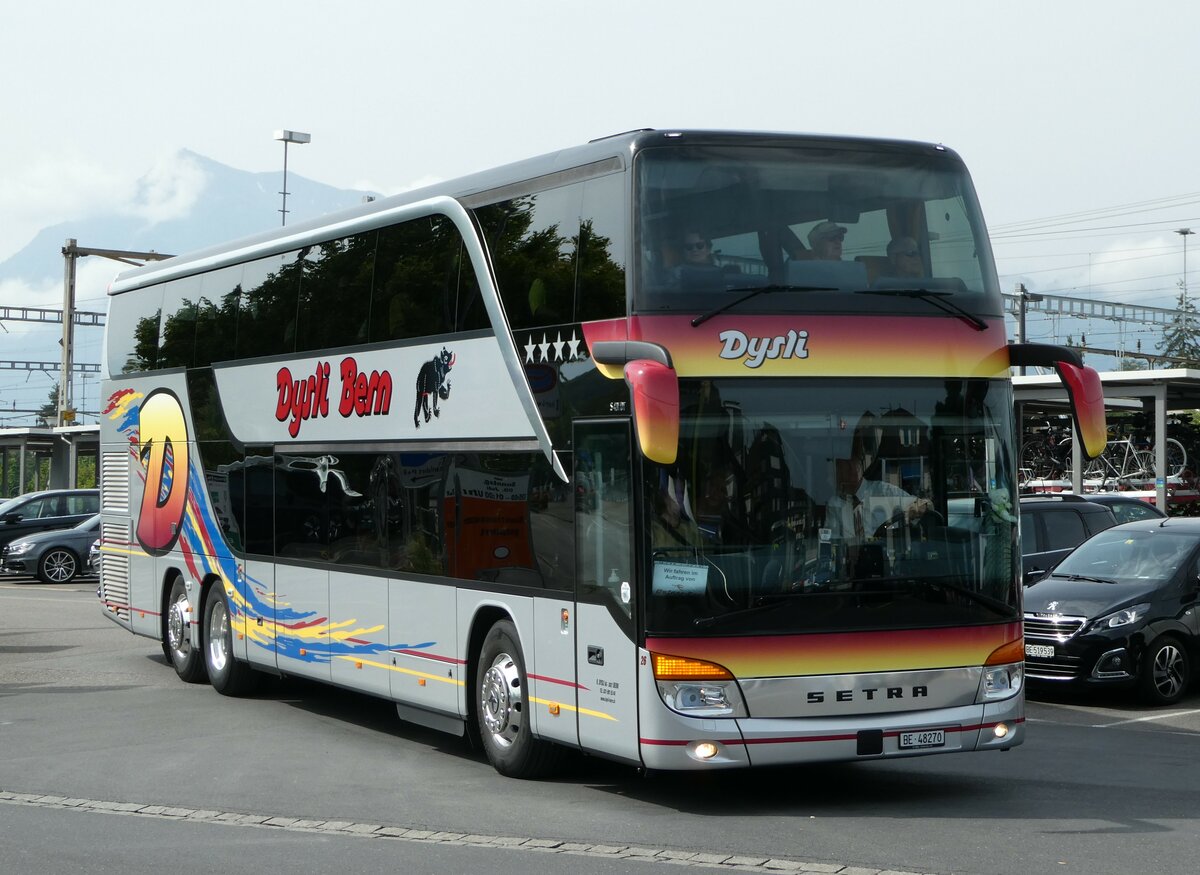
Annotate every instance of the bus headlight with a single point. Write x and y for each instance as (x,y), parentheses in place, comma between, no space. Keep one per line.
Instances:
(1001,681)
(697,688)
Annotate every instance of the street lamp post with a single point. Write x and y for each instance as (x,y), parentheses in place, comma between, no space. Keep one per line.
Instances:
(289,137)
(1185,233)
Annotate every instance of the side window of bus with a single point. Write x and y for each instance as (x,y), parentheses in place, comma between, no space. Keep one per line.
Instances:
(216,315)
(177,339)
(266,323)
(600,293)
(335,292)
(133,331)
(533,240)
(416,278)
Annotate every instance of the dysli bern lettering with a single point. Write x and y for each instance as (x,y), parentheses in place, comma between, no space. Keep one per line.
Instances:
(756,350)
(361,394)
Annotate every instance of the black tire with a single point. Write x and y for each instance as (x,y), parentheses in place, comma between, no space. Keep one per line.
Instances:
(502,709)
(58,565)
(188,660)
(1166,671)
(228,675)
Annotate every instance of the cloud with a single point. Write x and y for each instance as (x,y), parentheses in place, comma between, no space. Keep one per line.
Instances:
(169,190)
(52,188)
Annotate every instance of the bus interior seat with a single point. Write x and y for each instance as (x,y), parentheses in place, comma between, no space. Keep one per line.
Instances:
(850,275)
(876,266)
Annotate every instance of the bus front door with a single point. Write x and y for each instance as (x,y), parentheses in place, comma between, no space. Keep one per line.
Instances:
(606,653)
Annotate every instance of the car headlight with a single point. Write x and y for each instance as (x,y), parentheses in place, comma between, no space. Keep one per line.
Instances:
(16,548)
(1123,617)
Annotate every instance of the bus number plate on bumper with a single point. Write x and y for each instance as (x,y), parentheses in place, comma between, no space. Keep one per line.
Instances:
(924,738)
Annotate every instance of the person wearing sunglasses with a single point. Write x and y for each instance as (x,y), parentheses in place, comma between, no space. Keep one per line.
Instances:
(904,258)
(697,249)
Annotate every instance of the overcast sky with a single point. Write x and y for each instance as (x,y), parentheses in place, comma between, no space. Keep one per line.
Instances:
(1070,115)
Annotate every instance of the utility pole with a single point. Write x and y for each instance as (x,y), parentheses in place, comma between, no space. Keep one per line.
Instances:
(1023,299)
(71,254)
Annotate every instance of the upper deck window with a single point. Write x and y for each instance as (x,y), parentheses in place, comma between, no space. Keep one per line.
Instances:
(813,224)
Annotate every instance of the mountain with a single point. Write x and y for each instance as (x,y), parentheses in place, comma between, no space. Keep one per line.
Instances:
(189,203)
(186,203)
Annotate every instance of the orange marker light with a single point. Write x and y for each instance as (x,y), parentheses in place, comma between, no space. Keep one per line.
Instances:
(680,668)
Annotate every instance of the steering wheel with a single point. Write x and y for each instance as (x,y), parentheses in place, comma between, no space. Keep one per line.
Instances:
(899,520)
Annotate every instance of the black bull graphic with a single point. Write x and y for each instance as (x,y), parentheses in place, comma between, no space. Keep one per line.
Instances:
(432,383)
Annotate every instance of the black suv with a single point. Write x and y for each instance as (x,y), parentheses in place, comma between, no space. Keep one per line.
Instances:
(41,511)
(1122,609)
(1054,525)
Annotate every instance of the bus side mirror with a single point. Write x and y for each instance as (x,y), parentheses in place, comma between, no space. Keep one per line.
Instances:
(655,390)
(654,386)
(1084,390)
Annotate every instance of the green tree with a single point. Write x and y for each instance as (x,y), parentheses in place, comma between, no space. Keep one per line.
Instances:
(47,414)
(1179,338)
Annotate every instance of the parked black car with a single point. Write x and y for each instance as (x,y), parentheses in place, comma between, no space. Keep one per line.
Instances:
(1126,508)
(51,509)
(1054,525)
(1122,609)
(55,556)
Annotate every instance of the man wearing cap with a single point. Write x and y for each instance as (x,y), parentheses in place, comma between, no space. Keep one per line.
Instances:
(826,241)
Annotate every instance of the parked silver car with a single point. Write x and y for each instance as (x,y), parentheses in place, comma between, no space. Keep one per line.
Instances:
(56,556)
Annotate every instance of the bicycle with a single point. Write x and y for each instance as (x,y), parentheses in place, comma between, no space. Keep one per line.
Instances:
(1126,460)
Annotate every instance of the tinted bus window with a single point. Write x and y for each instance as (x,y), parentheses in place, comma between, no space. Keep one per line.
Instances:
(266,323)
(335,292)
(600,292)
(416,279)
(177,336)
(216,315)
(132,331)
(532,240)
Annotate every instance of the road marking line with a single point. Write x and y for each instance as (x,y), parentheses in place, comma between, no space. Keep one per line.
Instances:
(692,859)
(1146,719)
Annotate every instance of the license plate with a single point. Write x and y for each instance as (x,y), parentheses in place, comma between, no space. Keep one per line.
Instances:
(1040,651)
(924,738)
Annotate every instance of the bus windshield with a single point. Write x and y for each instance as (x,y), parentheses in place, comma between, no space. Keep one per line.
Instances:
(842,505)
(809,223)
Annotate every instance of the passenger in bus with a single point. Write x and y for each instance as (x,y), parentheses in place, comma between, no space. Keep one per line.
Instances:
(697,249)
(862,505)
(674,523)
(826,241)
(700,270)
(904,258)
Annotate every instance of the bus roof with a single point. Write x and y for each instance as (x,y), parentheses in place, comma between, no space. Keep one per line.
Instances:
(617,148)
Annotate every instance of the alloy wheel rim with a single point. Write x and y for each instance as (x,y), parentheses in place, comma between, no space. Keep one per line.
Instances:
(60,566)
(501,701)
(1168,670)
(218,644)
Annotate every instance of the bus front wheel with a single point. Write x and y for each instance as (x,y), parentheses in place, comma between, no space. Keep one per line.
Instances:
(503,708)
(229,676)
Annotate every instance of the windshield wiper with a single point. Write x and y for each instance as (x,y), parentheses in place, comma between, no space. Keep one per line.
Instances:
(978,598)
(752,292)
(936,298)
(1083,577)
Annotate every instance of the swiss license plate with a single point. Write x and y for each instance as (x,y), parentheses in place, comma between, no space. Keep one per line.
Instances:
(923,738)
(1040,651)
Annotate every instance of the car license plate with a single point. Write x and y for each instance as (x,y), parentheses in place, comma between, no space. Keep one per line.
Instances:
(924,738)
(1040,651)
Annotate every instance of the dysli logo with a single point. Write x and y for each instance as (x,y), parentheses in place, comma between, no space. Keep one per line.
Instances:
(756,350)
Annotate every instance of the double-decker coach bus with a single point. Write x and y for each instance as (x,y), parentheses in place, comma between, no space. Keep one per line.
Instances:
(685,449)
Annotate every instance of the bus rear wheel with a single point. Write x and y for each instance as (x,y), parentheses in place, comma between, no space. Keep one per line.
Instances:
(229,675)
(503,709)
(177,636)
